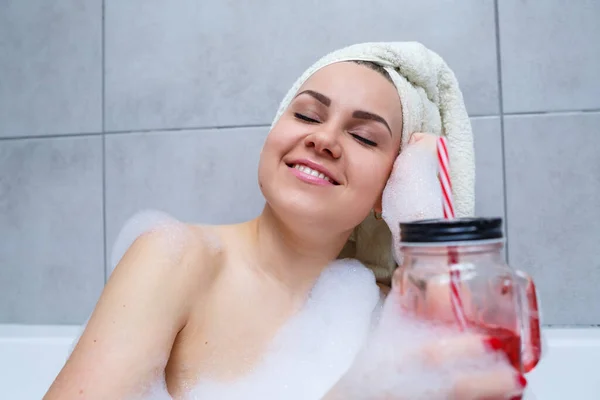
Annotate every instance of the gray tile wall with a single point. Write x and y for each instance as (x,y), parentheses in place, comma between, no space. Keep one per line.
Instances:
(109,107)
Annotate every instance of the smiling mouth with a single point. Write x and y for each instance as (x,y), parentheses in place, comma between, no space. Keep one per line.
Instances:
(309,171)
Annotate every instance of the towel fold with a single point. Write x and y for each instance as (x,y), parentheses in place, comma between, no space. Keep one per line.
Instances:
(431,103)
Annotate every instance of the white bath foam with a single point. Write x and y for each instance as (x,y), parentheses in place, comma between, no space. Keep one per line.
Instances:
(314,349)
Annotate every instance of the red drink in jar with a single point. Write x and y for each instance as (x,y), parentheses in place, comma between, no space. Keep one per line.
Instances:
(511,342)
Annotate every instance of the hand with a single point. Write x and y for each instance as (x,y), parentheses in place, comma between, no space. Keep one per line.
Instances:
(413,191)
(439,379)
(406,359)
(429,140)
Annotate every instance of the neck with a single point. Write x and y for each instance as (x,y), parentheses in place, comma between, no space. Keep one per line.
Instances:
(293,256)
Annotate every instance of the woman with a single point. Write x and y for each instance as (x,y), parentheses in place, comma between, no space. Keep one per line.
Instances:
(189,301)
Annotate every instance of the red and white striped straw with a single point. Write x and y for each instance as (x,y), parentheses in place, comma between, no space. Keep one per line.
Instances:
(443,163)
(448,206)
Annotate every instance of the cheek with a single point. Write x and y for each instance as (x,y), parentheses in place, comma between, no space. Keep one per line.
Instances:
(280,139)
(372,176)
(274,147)
(271,147)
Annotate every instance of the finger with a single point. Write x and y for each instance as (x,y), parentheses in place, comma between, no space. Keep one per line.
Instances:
(437,305)
(413,138)
(463,346)
(502,383)
(416,136)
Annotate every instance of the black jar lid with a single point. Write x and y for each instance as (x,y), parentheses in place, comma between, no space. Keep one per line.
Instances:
(453,230)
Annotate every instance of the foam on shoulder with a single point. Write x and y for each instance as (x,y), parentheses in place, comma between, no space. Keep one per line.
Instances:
(143,222)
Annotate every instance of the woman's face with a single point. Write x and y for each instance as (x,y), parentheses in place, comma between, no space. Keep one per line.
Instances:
(328,158)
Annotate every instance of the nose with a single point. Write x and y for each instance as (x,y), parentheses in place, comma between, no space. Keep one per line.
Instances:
(325,142)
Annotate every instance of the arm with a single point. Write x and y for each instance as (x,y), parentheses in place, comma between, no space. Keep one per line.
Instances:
(128,339)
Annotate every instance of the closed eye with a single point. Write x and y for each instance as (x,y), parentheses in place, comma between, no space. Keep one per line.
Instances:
(363,140)
(305,118)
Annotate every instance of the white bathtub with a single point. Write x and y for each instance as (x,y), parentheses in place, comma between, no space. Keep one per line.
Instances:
(31,356)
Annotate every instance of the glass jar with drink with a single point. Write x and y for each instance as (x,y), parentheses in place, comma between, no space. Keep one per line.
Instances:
(453,272)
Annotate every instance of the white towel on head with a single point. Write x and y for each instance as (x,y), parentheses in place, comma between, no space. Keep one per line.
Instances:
(432,103)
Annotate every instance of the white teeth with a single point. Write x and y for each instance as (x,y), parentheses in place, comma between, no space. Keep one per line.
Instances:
(312,172)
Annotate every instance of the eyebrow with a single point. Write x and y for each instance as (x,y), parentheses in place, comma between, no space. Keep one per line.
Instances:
(321,98)
(373,117)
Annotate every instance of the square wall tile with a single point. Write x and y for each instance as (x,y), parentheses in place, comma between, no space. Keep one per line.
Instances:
(201,176)
(553,187)
(189,64)
(50,67)
(550,55)
(51,247)
(489,176)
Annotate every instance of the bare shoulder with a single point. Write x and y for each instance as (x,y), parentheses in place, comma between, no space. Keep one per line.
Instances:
(175,259)
(145,303)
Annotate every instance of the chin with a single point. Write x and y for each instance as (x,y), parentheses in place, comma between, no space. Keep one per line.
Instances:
(298,204)
(297,214)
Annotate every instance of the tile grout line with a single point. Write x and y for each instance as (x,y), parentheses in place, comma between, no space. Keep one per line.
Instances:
(551,113)
(502,141)
(266,125)
(134,131)
(103,95)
